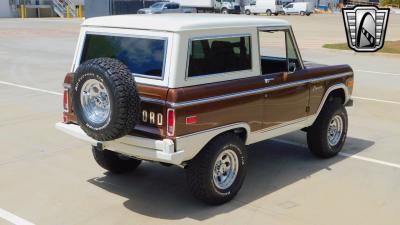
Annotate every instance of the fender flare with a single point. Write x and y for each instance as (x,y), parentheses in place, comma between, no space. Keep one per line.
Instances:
(329,91)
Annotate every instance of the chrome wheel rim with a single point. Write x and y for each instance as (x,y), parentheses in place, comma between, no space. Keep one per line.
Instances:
(95,101)
(335,130)
(225,170)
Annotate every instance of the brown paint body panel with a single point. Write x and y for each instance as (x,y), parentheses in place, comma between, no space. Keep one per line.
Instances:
(260,110)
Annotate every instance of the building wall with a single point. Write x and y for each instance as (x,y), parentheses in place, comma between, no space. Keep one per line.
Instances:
(5,9)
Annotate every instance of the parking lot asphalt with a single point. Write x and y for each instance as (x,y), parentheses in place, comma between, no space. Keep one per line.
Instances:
(47,177)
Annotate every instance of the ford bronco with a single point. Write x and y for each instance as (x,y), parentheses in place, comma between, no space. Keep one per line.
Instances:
(194,91)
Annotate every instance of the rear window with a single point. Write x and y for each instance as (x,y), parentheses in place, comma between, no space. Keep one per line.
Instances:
(143,56)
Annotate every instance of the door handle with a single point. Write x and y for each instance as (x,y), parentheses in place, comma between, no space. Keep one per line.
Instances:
(269,80)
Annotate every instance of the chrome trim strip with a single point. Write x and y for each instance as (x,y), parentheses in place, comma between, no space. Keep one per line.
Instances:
(152,100)
(284,124)
(255,91)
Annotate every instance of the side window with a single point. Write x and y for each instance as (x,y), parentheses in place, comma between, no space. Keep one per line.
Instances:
(277,52)
(173,6)
(219,55)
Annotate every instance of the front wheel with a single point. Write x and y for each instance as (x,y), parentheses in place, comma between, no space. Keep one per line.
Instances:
(247,12)
(224,11)
(269,13)
(327,135)
(217,173)
(114,162)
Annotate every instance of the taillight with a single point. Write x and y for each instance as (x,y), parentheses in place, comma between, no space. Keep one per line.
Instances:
(66,100)
(170,122)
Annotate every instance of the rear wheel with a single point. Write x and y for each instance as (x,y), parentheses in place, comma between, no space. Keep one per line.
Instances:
(268,12)
(302,13)
(247,12)
(217,173)
(327,135)
(114,162)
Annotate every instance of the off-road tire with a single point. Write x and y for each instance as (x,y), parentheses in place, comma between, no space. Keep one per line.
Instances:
(123,95)
(317,134)
(114,162)
(268,12)
(199,172)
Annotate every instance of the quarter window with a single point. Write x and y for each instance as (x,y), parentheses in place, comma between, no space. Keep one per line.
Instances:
(143,56)
(219,55)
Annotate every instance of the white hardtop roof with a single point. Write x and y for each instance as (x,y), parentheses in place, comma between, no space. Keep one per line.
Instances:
(182,21)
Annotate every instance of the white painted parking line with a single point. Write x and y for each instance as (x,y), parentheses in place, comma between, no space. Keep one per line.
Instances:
(376,100)
(378,72)
(13,218)
(343,154)
(30,88)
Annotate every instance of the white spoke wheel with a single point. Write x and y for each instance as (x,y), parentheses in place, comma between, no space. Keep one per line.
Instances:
(217,173)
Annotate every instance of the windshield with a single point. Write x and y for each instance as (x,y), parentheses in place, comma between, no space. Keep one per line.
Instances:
(143,56)
(157,5)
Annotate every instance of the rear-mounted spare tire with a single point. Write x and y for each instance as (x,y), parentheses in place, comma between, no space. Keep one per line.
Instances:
(105,99)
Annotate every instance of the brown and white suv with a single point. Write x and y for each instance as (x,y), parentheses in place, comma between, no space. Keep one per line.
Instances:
(195,90)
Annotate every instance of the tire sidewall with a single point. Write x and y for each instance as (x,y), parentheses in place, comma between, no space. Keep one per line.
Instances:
(242,160)
(76,95)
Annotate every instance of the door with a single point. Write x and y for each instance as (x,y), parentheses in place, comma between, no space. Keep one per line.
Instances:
(171,8)
(286,97)
(217,4)
(289,9)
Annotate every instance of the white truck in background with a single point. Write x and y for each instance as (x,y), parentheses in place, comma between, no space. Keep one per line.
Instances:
(221,6)
(300,8)
(268,7)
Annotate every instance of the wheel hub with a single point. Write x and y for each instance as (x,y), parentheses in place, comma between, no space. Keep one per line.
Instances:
(95,101)
(335,130)
(225,169)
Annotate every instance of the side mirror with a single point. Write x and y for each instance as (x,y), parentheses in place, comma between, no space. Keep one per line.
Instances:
(292,67)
